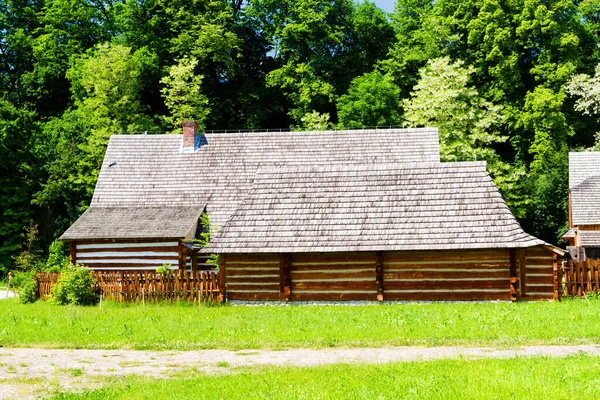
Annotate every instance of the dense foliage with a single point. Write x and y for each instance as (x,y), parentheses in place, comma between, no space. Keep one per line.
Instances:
(511,82)
(74,286)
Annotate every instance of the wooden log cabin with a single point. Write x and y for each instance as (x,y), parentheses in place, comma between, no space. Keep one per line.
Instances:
(340,215)
(152,189)
(423,231)
(584,210)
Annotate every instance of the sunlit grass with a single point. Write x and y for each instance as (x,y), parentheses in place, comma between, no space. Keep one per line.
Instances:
(517,378)
(186,326)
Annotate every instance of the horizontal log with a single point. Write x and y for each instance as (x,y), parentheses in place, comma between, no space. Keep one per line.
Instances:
(368,257)
(447,256)
(447,296)
(265,265)
(332,267)
(535,296)
(446,266)
(310,286)
(538,252)
(539,262)
(128,256)
(546,279)
(252,258)
(105,242)
(332,296)
(455,274)
(262,287)
(116,267)
(131,249)
(253,279)
(539,288)
(349,275)
(464,284)
(252,272)
(253,296)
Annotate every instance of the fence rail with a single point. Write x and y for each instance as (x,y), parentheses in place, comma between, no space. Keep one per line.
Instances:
(147,285)
(581,277)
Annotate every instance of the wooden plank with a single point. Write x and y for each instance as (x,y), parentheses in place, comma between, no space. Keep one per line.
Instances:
(258,296)
(342,258)
(254,272)
(253,279)
(442,257)
(340,296)
(162,249)
(534,280)
(458,267)
(311,286)
(330,267)
(348,274)
(522,272)
(438,284)
(259,287)
(455,274)
(252,258)
(546,262)
(447,296)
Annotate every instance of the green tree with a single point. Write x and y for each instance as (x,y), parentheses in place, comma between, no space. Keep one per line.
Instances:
(372,100)
(444,99)
(183,96)
(586,90)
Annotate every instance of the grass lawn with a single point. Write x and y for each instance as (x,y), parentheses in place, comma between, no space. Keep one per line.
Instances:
(184,326)
(516,378)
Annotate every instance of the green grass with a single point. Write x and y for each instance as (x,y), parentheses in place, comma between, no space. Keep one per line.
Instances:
(521,378)
(183,327)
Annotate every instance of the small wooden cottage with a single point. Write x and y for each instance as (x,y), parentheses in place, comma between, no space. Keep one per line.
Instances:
(584,210)
(341,215)
(413,231)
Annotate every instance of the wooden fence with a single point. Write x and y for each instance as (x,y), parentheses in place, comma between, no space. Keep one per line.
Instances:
(145,286)
(580,278)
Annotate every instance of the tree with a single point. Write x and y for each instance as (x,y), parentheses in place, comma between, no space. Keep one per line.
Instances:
(587,91)
(372,100)
(444,99)
(183,96)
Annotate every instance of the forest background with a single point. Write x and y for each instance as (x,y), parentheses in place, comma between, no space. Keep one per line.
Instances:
(512,82)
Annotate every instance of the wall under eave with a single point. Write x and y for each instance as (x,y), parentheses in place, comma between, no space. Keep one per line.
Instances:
(124,255)
(396,276)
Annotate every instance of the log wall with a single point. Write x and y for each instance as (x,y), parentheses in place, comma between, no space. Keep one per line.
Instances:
(251,277)
(500,274)
(334,276)
(123,256)
(447,275)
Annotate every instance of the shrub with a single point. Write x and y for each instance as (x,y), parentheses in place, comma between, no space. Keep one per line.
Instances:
(25,285)
(74,286)
(57,259)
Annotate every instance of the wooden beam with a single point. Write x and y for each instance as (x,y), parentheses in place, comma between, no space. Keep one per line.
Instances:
(522,272)
(73,252)
(379,274)
(285,276)
(513,275)
(223,277)
(555,273)
(182,257)
(195,260)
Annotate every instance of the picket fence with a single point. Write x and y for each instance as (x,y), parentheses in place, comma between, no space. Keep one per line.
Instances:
(142,286)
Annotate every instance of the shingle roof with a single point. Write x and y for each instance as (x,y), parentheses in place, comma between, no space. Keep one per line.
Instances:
(589,238)
(134,222)
(584,183)
(151,170)
(380,207)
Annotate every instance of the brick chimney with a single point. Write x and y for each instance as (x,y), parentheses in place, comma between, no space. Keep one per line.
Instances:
(190,136)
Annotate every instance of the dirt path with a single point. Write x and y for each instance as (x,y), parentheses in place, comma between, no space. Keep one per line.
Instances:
(6,294)
(28,373)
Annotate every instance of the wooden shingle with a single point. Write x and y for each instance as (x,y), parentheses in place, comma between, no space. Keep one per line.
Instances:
(378,207)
